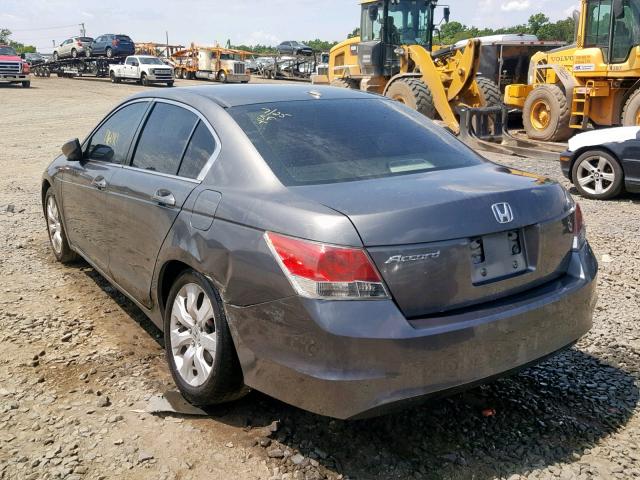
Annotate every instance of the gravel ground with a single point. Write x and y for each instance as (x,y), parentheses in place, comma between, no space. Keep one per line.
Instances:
(77,360)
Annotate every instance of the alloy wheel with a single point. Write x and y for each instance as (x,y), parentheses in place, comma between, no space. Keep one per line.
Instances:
(193,334)
(54,225)
(596,175)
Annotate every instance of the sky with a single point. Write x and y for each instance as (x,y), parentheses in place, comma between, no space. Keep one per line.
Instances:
(207,22)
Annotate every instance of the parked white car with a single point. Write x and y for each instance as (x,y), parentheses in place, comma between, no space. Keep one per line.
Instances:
(145,69)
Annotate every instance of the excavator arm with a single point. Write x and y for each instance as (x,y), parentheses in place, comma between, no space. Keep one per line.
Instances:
(448,84)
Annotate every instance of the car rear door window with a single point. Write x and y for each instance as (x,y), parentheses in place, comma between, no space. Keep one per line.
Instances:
(111,142)
(200,149)
(164,138)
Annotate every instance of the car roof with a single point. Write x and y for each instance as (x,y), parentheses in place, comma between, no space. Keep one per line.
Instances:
(236,95)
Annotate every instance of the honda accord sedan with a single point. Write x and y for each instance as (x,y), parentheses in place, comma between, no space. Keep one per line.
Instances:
(330,248)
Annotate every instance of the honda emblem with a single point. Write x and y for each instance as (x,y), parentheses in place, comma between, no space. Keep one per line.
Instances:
(502,212)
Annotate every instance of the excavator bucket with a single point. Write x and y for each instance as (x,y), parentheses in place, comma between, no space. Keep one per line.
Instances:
(485,128)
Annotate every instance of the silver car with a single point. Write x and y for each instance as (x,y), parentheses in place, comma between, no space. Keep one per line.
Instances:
(331,248)
(73,47)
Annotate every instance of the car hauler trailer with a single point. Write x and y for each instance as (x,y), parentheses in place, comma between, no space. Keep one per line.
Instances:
(211,63)
(77,67)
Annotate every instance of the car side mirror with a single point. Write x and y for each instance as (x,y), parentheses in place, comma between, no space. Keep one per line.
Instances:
(72,150)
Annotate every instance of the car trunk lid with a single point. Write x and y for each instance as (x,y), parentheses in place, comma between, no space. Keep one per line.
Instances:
(423,232)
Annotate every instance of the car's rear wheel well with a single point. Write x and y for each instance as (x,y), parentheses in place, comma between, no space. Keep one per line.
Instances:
(590,148)
(168,275)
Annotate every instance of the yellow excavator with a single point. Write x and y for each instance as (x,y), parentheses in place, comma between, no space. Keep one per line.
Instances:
(393,56)
(592,83)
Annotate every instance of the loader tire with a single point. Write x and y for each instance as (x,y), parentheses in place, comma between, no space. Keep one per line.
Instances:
(490,92)
(414,93)
(343,83)
(631,110)
(546,114)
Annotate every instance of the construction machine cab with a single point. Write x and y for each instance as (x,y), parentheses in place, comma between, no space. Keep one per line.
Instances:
(613,26)
(387,24)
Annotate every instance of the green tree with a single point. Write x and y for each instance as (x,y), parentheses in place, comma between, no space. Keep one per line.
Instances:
(5,33)
(536,22)
(355,33)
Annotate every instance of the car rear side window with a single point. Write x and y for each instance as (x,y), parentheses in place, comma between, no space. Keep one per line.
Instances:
(200,149)
(329,141)
(164,138)
(111,142)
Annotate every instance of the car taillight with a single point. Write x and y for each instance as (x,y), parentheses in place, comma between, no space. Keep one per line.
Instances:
(579,228)
(318,270)
(79,43)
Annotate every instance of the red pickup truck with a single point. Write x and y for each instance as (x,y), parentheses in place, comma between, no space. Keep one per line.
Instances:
(13,69)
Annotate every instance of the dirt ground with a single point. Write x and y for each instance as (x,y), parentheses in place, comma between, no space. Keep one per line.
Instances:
(78,362)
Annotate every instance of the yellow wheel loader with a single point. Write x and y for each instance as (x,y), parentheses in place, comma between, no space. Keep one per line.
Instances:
(594,82)
(393,57)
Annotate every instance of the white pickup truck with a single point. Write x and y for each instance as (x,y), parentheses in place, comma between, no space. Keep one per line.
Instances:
(145,69)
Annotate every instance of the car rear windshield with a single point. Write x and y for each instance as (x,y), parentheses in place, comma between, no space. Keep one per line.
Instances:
(330,141)
(123,37)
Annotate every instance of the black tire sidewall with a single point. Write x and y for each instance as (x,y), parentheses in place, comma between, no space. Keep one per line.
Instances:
(618,183)
(206,393)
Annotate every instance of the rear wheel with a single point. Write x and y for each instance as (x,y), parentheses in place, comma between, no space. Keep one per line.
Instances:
(113,77)
(109,52)
(414,93)
(55,56)
(631,110)
(597,174)
(546,114)
(55,228)
(198,344)
(74,53)
(26,84)
(169,84)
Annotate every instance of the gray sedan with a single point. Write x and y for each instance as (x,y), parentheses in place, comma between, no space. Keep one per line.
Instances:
(331,248)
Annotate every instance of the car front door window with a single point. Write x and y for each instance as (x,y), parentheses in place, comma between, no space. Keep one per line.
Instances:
(111,142)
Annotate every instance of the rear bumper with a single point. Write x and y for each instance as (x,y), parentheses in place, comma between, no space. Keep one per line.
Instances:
(5,78)
(354,359)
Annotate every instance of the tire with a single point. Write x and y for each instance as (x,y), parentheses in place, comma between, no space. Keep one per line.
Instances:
(414,93)
(26,84)
(55,56)
(74,53)
(109,52)
(631,110)
(113,77)
(207,379)
(489,91)
(169,84)
(546,114)
(608,173)
(343,83)
(222,77)
(56,231)
(143,80)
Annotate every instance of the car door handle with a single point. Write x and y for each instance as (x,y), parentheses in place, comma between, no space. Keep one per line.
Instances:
(164,197)
(100,183)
